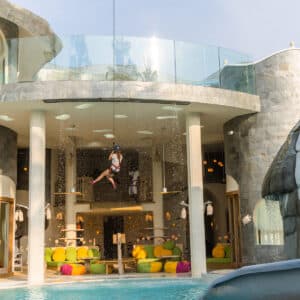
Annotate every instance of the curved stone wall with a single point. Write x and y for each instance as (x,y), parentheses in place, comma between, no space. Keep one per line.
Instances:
(252,141)
(8,162)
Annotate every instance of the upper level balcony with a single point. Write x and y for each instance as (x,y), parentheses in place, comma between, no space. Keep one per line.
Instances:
(104,58)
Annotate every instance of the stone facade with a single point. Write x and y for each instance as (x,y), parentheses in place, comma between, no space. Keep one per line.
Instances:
(252,141)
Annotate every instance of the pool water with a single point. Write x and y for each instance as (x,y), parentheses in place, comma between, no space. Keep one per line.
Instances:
(133,289)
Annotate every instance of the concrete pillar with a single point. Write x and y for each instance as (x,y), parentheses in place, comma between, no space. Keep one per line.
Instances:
(36,213)
(158,213)
(195,186)
(70,169)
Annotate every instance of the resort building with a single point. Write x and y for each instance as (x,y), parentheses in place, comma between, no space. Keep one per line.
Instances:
(197,126)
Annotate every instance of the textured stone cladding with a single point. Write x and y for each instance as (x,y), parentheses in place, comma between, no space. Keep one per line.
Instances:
(257,138)
(8,150)
(282,183)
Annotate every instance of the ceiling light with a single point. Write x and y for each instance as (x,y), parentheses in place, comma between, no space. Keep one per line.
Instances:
(84,106)
(109,135)
(6,118)
(144,132)
(121,116)
(184,133)
(102,130)
(63,117)
(230,132)
(166,117)
(127,208)
(172,108)
(71,128)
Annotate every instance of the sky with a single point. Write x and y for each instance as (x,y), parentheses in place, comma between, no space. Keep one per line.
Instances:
(255,27)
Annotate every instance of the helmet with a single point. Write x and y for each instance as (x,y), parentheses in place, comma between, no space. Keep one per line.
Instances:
(116,147)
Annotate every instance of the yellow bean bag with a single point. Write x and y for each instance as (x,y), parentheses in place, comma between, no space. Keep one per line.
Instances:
(59,254)
(166,252)
(158,250)
(170,266)
(136,250)
(82,252)
(78,269)
(155,266)
(218,251)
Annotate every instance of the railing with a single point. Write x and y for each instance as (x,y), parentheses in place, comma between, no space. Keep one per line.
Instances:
(103,58)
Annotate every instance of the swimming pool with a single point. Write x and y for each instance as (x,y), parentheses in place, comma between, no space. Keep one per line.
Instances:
(133,289)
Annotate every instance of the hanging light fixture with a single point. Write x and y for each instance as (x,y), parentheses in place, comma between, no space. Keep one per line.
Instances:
(183,212)
(209,208)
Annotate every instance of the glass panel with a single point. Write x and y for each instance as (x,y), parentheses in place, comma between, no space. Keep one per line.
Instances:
(4,221)
(82,57)
(235,71)
(196,64)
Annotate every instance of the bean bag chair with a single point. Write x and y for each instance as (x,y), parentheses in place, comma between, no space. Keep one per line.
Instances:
(218,251)
(169,245)
(177,251)
(183,267)
(72,269)
(149,251)
(149,267)
(71,254)
(158,250)
(48,254)
(59,254)
(66,269)
(97,268)
(82,252)
(170,266)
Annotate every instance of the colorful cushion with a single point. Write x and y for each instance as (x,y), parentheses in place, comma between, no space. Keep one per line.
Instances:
(136,250)
(176,251)
(218,251)
(48,254)
(139,252)
(71,254)
(82,252)
(166,252)
(149,267)
(149,251)
(170,266)
(59,254)
(169,244)
(66,269)
(97,269)
(158,251)
(96,253)
(78,269)
(183,266)
(227,250)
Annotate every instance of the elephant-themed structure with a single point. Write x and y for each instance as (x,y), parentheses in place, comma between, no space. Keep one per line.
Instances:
(282,183)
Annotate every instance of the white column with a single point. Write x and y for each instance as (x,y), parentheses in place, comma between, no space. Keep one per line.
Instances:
(70,169)
(158,213)
(195,184)
(36,213)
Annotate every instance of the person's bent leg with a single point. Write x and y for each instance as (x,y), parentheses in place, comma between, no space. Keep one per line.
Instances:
(101,176)
(111,180)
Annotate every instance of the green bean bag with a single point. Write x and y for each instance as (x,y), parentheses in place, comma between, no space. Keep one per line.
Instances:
(169,245)
(48,254)
(97,269)
(71,254)
(149,251)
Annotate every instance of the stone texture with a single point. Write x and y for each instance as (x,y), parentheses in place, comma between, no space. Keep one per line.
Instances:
(130,90)
(8,150)
(257,139)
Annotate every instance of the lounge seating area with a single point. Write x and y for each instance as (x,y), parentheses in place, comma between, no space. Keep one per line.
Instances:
(160,258)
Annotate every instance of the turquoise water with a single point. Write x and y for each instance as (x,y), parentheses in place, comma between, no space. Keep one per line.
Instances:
(133,289)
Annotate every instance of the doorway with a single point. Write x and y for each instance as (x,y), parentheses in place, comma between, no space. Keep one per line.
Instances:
(233,200)
(112,225)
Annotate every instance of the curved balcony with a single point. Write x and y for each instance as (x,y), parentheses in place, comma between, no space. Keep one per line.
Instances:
(103,58)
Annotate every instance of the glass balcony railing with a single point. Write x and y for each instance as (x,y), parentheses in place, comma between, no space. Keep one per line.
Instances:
(103,58)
